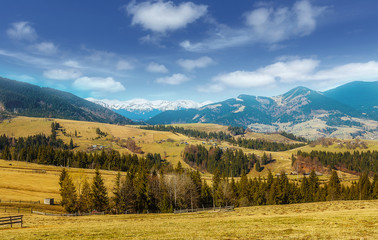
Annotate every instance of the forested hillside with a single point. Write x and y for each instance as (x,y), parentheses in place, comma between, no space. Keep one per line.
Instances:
(25,99)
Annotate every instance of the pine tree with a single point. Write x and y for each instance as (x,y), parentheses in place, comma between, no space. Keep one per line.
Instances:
(62,176)
(85,198)
(99,193)
(71,144)
(206,198)
(334,187)
(364,187)
(257,166)
(313,182)
(69,195)
(128,194)
(117,193)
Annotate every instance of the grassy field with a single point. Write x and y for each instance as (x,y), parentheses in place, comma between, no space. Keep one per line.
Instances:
(33,182)
(326,220)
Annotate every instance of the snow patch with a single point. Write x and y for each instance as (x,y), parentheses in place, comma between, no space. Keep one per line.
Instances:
(240,109)
(146,105)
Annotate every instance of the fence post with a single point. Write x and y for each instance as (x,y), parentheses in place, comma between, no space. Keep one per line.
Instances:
(11,221)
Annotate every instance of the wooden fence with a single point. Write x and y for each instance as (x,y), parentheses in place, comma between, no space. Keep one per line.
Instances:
(226,208)
(20,201)
(8,209)
(11,220)
(68,215)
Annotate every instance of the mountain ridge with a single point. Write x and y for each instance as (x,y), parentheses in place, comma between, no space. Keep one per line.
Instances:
(282,112)
(20,98)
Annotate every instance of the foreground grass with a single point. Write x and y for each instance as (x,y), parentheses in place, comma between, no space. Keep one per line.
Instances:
(328,220)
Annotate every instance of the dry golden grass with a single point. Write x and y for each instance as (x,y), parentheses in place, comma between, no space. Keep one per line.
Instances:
(326,220)
(23,181)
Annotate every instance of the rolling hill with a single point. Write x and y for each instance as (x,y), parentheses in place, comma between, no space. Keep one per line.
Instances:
(23,99)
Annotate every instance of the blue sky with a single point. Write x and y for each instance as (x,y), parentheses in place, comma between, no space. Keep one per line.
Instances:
(198,50)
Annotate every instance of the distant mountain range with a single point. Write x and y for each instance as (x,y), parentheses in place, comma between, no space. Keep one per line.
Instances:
(346,111)
(19,98)
(142,109)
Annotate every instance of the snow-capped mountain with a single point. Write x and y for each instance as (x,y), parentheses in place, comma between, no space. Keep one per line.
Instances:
(142,109)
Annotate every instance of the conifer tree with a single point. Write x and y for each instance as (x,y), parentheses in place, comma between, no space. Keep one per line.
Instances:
(62,176)
(85,198)
(128,193)
(334,187)
(100,199)
(364,187)
(71,144)
(69,195)
(257,166)
(117,193)
(206,198)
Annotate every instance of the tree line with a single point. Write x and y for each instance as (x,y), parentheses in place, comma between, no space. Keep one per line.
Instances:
(359,162)
(222,136)
(143,191)
(49,150)
(258,144)
(228,162)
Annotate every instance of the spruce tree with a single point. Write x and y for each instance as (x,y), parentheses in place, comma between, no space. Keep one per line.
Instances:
(257,166)
(100,199)
(62,176)
(69,195)
(117,193)
(334,187)
(85,198)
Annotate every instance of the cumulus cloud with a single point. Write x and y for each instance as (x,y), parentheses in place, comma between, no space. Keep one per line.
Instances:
(274,25)
(98,85)
(263,25)
(294,71)
(22,31)
(62,74)
(160,16)
(124,65)
(190,64)
(175,79)
(156,68)
(46,48)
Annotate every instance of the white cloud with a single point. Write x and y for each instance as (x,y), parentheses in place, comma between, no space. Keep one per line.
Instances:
(71,63)
(160,16)
(124,65)
(300,70)
(22,31)
(349,72)
(46,48)
(263,25)
(274,25)
(156,68)
(175,79)
(62,74)
(190,64)
(98,85)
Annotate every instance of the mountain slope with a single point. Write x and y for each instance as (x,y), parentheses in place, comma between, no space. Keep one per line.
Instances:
(25,99)
(359,95)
